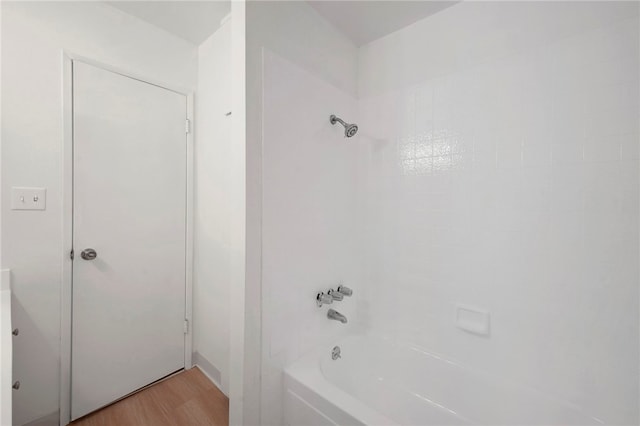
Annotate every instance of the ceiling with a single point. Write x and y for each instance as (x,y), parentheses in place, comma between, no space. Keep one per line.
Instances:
(193,21)
(361,21)
(365,21)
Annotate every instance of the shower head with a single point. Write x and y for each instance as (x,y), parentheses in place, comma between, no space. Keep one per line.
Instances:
(349,129)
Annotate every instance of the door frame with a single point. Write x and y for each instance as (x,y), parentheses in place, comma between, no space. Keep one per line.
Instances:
(66,296)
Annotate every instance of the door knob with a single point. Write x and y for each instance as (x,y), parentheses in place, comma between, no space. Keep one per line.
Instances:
(88,254)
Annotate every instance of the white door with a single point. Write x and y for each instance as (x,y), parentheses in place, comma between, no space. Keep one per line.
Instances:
(129,206)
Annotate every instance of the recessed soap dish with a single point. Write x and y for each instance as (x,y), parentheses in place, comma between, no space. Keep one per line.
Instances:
(473,320)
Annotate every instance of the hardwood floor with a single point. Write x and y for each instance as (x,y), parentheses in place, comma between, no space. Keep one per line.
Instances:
(186,399)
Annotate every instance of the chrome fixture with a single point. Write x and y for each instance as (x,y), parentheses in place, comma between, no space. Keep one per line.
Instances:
(335,353)
(88,254)
(323,299)
(350,129)
(345,290)
(335,315)
(335,295)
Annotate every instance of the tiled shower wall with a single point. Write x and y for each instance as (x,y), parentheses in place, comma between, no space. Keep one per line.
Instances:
(308,219)
(496,166)
(510,183)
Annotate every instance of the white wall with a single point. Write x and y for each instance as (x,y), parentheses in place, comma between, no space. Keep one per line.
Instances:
(299,188)
(308,221)
(238,374)
(215,189)
(503,173)
(33,36)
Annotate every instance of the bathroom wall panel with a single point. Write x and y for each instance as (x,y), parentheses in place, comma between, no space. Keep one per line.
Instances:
(508,180)
(215,189)
(309,243)
(300,186)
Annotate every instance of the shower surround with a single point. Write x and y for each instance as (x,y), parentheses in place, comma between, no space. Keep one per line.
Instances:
(510,182)
(495,167)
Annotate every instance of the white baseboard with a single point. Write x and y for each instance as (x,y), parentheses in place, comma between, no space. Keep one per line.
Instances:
(209,370)
(52,419)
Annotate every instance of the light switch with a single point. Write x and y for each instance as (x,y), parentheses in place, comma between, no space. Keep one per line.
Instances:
(28,198)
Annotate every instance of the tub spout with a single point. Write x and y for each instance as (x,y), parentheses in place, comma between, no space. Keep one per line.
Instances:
(335,315)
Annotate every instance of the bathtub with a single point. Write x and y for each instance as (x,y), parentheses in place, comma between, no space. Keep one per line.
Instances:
(376,382)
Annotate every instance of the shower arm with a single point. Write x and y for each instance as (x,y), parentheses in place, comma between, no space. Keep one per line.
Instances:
(333,120)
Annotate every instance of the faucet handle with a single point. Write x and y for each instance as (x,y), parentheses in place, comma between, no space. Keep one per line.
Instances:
(345,290)
(323,299)
(335,295)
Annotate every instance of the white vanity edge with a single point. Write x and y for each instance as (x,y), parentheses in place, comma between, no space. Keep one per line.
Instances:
(5,348)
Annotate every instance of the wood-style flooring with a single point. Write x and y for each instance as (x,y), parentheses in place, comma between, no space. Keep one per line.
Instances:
(186,399)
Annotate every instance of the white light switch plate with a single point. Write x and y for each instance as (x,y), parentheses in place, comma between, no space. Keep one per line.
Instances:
(28,198)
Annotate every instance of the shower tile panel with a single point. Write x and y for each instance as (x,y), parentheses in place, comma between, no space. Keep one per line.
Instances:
(511,185)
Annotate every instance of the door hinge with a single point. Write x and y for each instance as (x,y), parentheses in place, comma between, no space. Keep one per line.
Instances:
(186,326)
(71,254)
(187,128)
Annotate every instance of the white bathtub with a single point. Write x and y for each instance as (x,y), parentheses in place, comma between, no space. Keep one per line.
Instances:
(378,383)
